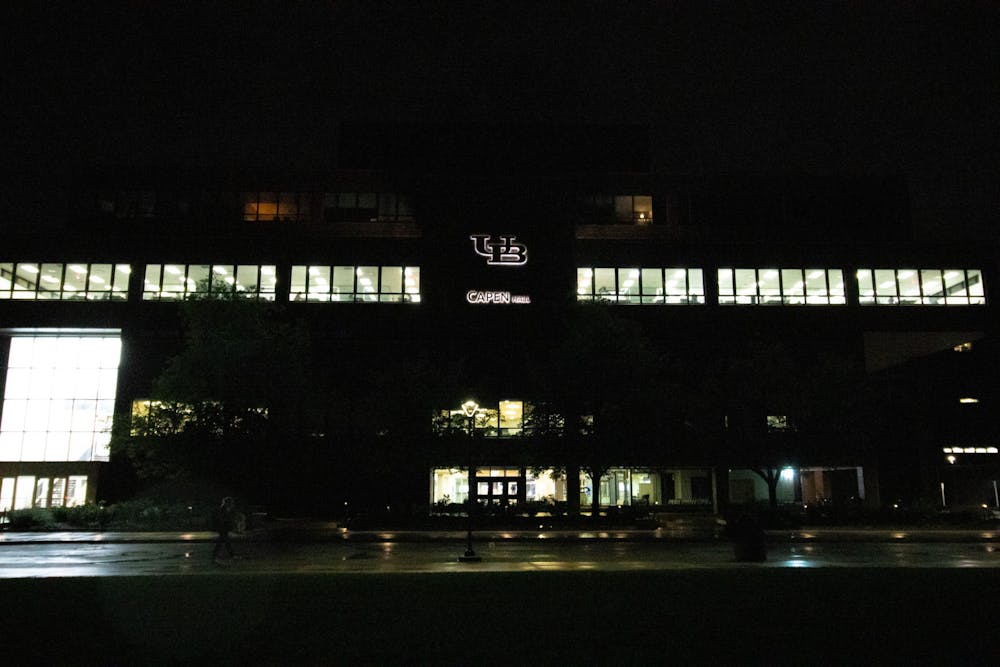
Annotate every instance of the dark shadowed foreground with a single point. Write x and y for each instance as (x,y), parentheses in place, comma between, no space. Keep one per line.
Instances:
(746,616)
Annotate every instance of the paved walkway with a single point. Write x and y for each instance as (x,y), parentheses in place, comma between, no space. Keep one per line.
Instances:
(169,558)
(320,532)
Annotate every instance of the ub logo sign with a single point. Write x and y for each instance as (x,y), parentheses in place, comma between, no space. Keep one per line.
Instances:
(502,250)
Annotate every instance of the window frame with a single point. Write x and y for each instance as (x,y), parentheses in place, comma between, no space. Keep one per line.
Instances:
(117,280)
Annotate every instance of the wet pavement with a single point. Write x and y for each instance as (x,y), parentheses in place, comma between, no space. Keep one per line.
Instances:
(190,554)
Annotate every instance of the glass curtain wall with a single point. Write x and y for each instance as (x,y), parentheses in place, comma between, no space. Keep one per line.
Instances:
(59,398)
(68,282)
(360,284)
(664,286)
(775,287)
(921,287)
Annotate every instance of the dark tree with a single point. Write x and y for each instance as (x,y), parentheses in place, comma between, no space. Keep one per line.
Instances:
(605,384)
(780,409)
(234,407)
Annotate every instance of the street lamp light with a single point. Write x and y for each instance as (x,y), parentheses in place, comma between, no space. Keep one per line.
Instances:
(470,408)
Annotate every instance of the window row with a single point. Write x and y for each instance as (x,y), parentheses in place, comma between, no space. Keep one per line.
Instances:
(626,285)
(781,286)
(503,485)
(368,284)
(37,281)
(179,281)
(26,491)
(773,286)
(927,287)
(503,419)
(647,285)
(336,206)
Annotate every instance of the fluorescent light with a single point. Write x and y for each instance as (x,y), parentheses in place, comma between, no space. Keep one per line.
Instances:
(173,270)
(76,268)
(30,268)
(904,274)
(221,270)
(968,399)
(816,274)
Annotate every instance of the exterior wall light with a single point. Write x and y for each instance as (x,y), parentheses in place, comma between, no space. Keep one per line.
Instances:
(968,399)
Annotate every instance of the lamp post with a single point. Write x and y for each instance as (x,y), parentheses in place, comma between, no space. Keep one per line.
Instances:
(470,408)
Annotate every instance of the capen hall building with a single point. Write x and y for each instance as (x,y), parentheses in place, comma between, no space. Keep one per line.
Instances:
(466,245)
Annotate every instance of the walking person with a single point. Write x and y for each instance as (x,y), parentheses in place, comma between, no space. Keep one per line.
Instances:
(223,521)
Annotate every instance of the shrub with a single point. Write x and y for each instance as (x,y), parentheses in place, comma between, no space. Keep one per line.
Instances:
(30,519)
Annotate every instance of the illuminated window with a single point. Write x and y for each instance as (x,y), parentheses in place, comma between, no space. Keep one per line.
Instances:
(59,398)
(772,286)
(640,285)
(779,423)
(505,419)
(544,486)
(180,281)
(921,287)
(41,281)
(363,284)
(367,207)
(449,485)
(158,418)
(270,206)
(27,491)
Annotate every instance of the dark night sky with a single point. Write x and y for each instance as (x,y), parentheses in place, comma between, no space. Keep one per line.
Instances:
(865,87)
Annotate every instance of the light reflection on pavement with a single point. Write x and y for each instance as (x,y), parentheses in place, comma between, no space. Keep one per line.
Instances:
(193,558)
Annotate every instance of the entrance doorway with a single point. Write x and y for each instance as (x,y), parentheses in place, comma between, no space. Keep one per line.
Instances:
(499,486)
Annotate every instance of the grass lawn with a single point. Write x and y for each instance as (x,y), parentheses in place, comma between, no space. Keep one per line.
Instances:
(828,616)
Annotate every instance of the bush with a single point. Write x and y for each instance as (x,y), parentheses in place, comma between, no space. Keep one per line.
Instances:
(81,516)
(30,519)
(153,514)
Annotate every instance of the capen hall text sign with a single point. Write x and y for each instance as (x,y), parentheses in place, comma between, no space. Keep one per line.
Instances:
(499,250)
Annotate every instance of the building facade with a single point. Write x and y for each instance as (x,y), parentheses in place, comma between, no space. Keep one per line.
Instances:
(473,272)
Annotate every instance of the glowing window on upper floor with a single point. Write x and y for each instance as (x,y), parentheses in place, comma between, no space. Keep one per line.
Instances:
(80,281)
(664,286)
(767,286)
(363,284)
(272,206)
(921,287)
(165,282)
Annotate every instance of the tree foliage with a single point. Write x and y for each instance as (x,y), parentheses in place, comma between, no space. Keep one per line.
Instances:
(228,406)
(606,383)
